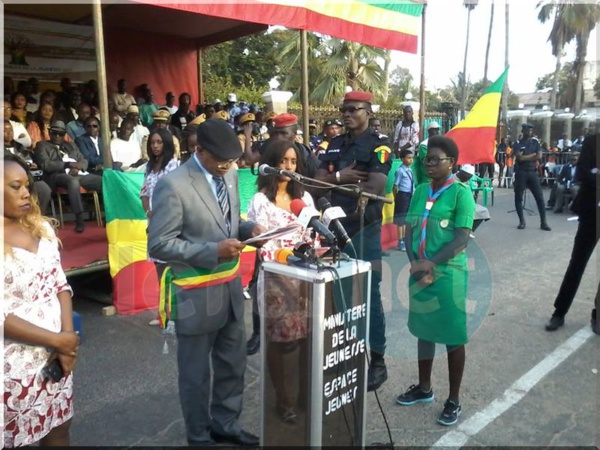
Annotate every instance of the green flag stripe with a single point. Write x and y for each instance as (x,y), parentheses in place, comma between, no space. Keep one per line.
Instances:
(498,85)
(121,194)
(403,7)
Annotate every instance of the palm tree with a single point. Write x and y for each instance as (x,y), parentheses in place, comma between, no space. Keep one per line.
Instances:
(487,49)
(572,20)
(333,65)
(470,5)
(560,35)
(588,16)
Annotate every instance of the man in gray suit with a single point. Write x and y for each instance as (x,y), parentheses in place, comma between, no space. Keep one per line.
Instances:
(195,227)
(64,166)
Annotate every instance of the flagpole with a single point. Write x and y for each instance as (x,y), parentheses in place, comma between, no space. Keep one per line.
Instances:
(102,83)
(422,89)
(505,89)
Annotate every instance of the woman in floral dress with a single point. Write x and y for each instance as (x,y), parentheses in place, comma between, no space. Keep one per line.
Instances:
(38,320)
(285,312)
(161,161)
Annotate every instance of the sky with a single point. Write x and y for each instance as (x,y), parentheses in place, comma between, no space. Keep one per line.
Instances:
(530,55)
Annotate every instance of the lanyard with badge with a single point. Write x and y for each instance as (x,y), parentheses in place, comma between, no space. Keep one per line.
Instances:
(431,199)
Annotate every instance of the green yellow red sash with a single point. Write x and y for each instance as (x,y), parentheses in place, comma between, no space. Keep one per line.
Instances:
(191,279)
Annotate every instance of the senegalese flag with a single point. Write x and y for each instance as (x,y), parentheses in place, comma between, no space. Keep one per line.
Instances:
(135,283)
(135,286)
(392,24)
(475,135)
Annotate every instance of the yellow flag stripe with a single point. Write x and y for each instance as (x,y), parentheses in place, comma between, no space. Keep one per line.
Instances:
(483,114)
(359,12)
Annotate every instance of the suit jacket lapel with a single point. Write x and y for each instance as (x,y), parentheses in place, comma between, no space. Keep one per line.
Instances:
(205,192)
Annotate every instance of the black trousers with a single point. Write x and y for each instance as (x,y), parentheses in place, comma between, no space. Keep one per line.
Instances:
(586,239)
(531,181)
(486,170)
(72,185)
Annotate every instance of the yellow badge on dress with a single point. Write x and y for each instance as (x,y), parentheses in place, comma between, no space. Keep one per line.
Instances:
(444,223)
(383,153)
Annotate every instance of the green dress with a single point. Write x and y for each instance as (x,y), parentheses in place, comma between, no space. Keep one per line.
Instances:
(418,166)
(438,311)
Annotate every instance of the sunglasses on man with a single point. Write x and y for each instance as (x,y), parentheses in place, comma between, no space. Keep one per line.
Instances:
(351,109)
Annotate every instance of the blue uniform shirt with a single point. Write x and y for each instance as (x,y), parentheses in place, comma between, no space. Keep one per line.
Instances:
(404,179)
(526,147)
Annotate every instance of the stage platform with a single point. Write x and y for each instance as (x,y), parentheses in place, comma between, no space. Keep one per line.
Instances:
(83,252)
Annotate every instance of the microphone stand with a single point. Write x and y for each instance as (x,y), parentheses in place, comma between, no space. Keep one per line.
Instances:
(349,190)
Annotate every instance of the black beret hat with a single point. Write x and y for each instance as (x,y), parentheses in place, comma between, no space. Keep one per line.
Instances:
(526,125)
(217,137)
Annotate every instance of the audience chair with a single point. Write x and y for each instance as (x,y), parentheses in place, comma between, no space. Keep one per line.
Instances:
(484,186)
(98,211)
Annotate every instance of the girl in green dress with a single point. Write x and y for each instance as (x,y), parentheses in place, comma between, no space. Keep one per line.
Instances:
(439,221)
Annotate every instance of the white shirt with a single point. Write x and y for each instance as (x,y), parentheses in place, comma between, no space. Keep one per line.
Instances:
(172,109)
(562,143)
(18,130)
(95,142)
(139,132)
(126,152)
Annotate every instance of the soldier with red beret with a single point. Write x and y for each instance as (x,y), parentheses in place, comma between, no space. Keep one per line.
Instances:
(362,156)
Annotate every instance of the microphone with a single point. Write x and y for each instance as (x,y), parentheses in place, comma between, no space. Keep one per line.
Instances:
(308,218)
(265,170)
(330,218)
(290,258)
(282,255)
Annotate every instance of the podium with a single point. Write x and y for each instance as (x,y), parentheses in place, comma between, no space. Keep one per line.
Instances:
(314,343)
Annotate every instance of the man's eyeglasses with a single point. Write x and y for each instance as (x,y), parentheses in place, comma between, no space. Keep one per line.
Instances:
(227,164)
(350,109)
(92,125)
(58,133)
(434,160)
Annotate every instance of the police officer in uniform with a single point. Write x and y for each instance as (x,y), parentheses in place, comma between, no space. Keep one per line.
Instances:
(527,152)
(362,156)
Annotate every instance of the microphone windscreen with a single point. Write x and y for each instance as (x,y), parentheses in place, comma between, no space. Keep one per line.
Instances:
(282,254)
(296,206)
(323,203)
(261,169)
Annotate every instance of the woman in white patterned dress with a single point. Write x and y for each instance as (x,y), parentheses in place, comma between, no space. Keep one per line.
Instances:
(285,311)
(38,321)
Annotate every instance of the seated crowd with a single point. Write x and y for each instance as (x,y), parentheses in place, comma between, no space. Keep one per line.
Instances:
(58,133)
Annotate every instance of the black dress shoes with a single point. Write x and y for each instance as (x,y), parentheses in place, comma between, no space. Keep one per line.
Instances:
(377,374)
(253,344)
(521,225)
(555,323)
(243,439)
(544,226)
(79,227)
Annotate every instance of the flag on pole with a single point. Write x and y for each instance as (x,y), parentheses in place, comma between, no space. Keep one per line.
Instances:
(475,134)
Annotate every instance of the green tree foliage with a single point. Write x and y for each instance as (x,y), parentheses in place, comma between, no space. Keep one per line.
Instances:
(245,66)
(333,65)
(565,86)
(474,92)
(572,21)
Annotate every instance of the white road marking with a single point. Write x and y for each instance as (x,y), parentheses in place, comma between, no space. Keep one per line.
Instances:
(474,424)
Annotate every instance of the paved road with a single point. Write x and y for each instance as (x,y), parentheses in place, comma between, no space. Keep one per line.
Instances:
(126,390)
